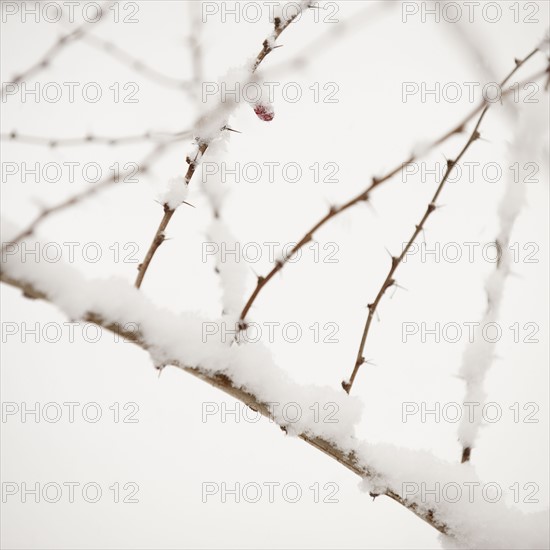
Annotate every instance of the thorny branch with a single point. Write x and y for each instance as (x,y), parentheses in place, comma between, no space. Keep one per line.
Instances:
(396,260)
(363,196)
(159,237)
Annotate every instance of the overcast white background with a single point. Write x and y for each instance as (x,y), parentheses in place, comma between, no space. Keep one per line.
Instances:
(170,452)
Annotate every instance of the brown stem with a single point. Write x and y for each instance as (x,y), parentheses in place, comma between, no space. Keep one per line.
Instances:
(396,261)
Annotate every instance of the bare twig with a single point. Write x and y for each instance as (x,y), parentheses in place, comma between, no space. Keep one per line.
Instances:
(90,139)
(52,52)
(363,196)
(389,281)
(143,167)
(116,52)
(336,31)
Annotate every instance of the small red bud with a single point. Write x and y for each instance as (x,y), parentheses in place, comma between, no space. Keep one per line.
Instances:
(264,111)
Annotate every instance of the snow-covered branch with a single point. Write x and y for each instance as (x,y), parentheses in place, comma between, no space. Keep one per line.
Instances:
(479,355)
(249,374)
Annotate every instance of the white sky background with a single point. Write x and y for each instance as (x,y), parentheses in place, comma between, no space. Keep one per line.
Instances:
(170,452)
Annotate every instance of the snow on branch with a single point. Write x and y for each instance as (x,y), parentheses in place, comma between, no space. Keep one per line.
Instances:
(249,374)
(479,354)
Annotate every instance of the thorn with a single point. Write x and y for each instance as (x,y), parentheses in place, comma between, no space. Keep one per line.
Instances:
(517,61)
(231,129)
(394,290)
(188,204)
(347,386)
(160,368)
(423,233)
